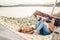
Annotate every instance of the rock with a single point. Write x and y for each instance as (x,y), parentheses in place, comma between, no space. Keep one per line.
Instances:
(56,34)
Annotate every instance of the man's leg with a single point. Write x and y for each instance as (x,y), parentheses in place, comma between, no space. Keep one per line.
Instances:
(45,30)
(40,26)
(38,23)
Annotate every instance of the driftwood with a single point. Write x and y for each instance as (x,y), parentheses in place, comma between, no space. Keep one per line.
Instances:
(45,15)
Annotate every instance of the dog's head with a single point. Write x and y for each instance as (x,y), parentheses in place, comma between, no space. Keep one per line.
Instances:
(26,29)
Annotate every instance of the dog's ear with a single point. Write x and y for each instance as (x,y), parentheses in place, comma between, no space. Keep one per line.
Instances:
(20,29)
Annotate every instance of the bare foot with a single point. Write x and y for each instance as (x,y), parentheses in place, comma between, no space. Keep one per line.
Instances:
(35,32)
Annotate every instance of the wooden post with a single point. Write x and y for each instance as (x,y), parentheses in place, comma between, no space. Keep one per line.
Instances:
(53,7)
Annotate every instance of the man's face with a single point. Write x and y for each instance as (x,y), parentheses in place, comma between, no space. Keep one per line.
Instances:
(38,16)
(44,18)
(53,21)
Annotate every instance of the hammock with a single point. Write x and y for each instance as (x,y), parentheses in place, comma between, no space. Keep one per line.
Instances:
(26,36)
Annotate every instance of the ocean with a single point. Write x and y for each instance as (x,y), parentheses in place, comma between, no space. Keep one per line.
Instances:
(25,11)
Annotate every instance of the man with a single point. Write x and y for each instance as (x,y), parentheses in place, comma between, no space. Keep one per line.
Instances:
(44,26)
(41,28)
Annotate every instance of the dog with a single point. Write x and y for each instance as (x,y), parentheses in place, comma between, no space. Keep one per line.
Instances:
(26,29)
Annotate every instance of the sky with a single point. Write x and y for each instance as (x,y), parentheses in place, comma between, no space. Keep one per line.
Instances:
(9,2)
(25,11)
